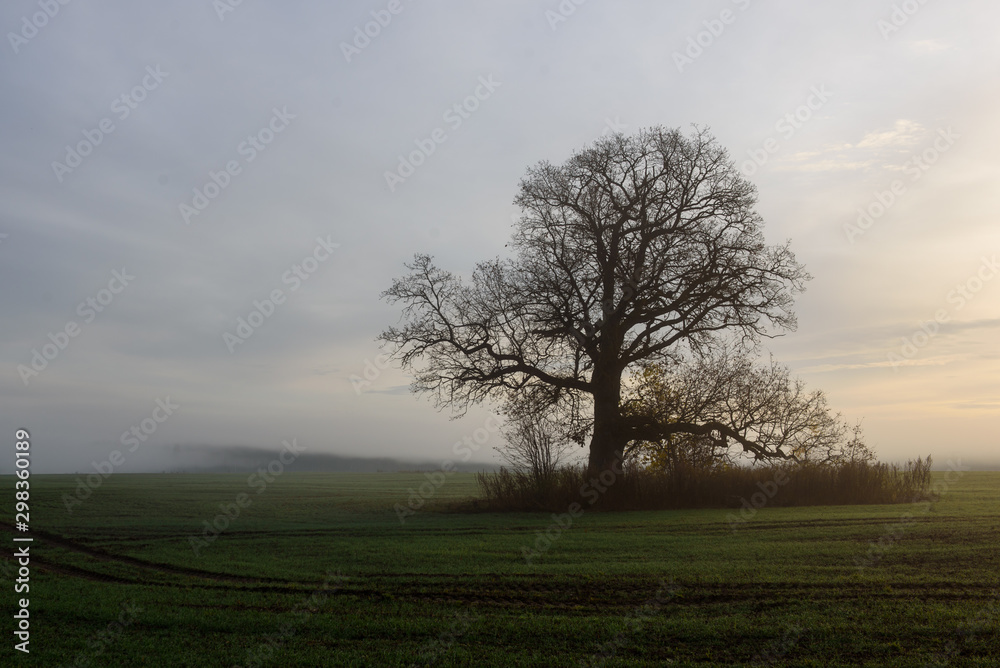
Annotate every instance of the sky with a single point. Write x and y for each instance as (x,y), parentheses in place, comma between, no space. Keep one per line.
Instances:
(172,168)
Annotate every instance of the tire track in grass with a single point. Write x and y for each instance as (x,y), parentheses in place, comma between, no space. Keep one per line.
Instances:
(101,555)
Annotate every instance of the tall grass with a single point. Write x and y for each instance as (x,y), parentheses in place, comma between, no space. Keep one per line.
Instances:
(784,484)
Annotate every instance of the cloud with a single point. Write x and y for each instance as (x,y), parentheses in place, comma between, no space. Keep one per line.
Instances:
(903,133)
(877,148)
(989,406)
(836,163)
(926,46)
(931,361)
(868,347)
(984,323)
(394,390)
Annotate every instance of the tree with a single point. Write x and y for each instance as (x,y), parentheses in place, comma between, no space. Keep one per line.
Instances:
(534,443)
(638,249)
(758,404)
(658,394)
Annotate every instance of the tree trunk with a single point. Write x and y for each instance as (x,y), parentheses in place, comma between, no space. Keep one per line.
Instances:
(606,449)
(607,445)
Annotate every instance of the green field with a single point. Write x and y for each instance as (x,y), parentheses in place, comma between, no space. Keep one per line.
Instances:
(318,571)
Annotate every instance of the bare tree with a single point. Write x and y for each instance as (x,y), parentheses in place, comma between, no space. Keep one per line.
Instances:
(535,439)
(725,397)
(637,249)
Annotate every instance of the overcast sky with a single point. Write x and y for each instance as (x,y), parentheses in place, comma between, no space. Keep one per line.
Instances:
(115,115)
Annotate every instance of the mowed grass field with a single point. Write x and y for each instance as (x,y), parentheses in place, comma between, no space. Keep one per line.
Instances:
(318,570)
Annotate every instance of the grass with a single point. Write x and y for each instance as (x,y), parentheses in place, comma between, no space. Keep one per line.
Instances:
(318,570)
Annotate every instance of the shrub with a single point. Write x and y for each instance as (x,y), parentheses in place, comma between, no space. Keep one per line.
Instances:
(784,484)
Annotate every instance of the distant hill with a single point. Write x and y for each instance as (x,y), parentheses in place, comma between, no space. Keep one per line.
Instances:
(239,459)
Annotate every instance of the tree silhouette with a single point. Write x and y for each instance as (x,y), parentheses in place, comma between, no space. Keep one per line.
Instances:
(638,250)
